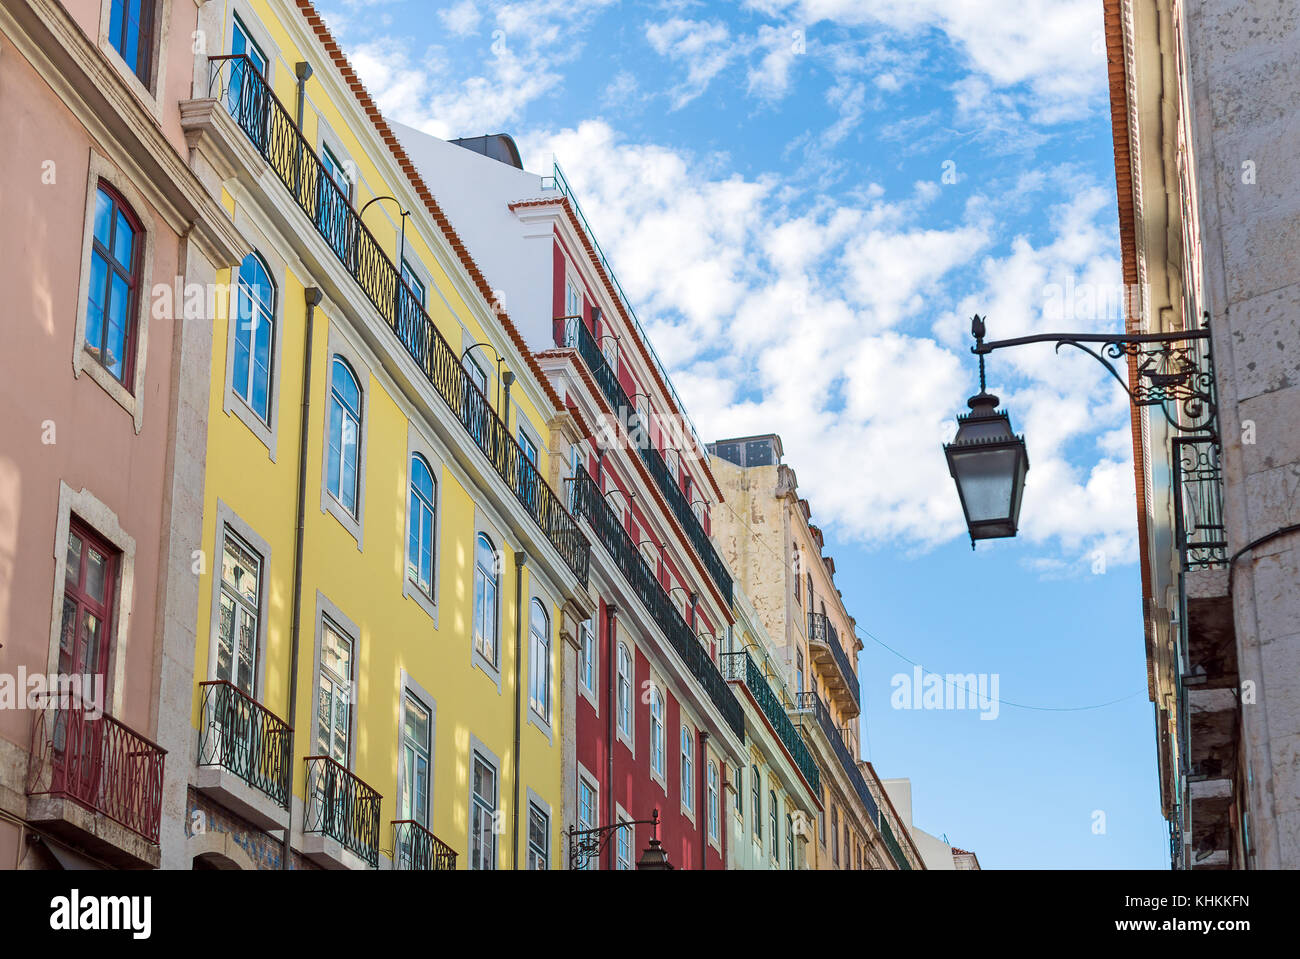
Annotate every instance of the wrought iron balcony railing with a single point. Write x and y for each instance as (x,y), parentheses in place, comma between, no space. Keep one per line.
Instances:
(272,131)
(742,668)
(414,847)
(821,630)
(811,703)
(1201,536)
(572,331)
(891,843)
(243,736)
(588,502)
(342,806)
(97,762)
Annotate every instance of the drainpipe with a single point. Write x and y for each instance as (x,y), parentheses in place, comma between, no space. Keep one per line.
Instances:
(610,699)
(521,559)
(702,750)
(313,297)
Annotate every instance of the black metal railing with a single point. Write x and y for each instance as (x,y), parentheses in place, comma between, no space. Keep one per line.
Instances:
(342,806)
(572,331)
(742,668)
(245,737)
(891,843)
(822,630)
(1202,537)
(414,847)
(588,502)
(810,702)
(273,132)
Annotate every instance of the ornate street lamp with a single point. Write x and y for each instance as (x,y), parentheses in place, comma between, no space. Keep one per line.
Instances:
(587,845)
(988,462)
(654,857)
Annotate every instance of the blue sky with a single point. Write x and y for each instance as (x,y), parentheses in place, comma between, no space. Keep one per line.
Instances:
(806,200)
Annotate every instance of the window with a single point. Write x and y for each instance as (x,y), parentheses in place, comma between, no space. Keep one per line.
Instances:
(240,614)
(572,301)
(624,691)
(586,810)
(419,544)
(740,791)
(477,374)
(848,859)
(254,336)
(539,838)
(772,824)
(835,835)
(333,205)
(789,841)
(414,282)
(336,171)
(712,777)
(343,475)
(539,661)
(485,600)
(798,598)
(758,803)
(587,655)
(821,817)
(242,94)
(688,769)
(130,30)
(116,252)
(334,704)
(414,800)
(89,582)
(483,813)
(623,857)
(410,308)
(798,675)
(656,732)
(810,592)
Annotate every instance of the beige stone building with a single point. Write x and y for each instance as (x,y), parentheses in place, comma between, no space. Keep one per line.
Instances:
(1206,117)
(766,536)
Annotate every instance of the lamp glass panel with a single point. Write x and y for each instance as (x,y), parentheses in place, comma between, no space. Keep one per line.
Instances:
(987,479)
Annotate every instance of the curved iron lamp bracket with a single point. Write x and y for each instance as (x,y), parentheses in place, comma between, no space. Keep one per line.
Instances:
(1174,370)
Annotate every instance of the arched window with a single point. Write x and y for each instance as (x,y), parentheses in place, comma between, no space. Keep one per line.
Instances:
(254,336)
(624,691)
(772,822)
(115,254)
(419,540)
(712,776)
(758,802)
(344,435)
(539,661)
(485,599)
(657,744)
(789,841)
(688,768)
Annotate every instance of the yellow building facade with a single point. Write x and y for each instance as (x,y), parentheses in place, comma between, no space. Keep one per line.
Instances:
(386,572)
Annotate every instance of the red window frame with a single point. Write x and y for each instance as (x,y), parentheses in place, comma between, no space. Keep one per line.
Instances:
(130,271)
(74,589)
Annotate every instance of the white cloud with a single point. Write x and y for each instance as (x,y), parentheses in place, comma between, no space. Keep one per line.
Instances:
(704,47)
(833,325)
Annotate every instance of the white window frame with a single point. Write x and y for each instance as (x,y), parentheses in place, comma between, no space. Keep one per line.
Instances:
(591,658)
(585,778)
(326,611)
(687,770)
(413,689)
(537,804)
(659,775)
(228,520)
(355,525)
(158,67)
(417,442)
(535,718)
(478,750)
(628,736)
(621,863)
(483,528)
(131,400)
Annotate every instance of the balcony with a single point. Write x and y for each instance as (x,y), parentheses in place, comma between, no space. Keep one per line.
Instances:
(342,821)
(97,782)
(243,756)
(588,502)
(891,843)
(740,667)
(824,646)
(271,130)
(414,847)
(809,706)
(572,332)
